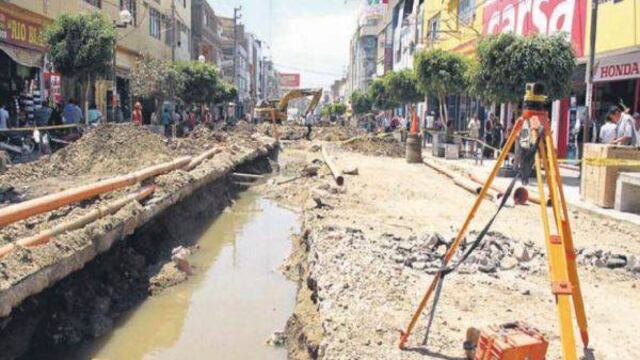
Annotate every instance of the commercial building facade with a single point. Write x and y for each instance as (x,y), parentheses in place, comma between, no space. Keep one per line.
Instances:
(22,50)
(458,28)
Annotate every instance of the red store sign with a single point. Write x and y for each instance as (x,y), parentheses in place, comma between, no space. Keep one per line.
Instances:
(21,33)
(289,80)
(621,67)
(526,17)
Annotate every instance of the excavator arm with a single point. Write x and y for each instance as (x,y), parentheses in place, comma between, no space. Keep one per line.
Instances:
(281,106)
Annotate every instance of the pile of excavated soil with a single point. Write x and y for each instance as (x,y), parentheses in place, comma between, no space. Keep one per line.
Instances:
(335,133)
(376,146)
(106,150)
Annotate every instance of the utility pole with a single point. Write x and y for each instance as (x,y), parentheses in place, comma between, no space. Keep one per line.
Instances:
(173,30)
(589,75)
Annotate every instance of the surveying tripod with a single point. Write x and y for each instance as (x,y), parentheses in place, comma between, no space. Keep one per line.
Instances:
(565,285)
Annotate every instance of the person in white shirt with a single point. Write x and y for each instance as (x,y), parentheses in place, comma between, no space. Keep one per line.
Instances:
(636,118)
(625,127)
(474,133)
(4,117)
(608,131)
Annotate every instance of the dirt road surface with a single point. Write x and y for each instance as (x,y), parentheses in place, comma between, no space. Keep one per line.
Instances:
(368,250)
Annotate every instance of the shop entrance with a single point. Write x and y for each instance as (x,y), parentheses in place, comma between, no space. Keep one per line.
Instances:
(15,80)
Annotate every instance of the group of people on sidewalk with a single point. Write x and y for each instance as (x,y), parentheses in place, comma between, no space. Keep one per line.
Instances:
(620,128)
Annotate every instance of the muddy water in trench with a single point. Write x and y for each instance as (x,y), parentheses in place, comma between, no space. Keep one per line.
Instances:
(232,304)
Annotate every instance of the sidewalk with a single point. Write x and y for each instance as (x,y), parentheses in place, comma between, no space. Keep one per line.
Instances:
(570,182)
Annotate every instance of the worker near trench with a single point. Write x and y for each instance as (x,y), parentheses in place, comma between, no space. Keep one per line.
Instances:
(308,122)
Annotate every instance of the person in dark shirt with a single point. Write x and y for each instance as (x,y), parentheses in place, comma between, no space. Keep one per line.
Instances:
(56,115)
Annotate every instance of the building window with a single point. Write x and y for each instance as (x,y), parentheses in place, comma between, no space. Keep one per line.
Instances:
(433,28)
(131,6)
(96,3)
(466,11)
(154,23)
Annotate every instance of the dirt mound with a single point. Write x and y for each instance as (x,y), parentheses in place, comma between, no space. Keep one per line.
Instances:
(106,150)
(377,146)
(199,140)
(335,133)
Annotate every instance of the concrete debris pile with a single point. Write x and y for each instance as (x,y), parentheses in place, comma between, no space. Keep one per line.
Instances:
(607,259)
(376,145)
(496,253)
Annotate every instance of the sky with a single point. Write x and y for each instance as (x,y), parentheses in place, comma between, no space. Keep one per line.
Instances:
(310,37)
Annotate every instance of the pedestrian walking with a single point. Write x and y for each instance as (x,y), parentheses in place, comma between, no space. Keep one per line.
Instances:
(473,127)
(166,122)
(136,116)
(488,138)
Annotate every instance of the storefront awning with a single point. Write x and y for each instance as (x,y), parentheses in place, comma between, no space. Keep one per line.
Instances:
(29,58)
(617,67)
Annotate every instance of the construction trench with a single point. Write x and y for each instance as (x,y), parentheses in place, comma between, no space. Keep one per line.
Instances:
(360,258)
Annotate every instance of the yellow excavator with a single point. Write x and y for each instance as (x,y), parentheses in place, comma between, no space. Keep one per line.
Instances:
(276,110)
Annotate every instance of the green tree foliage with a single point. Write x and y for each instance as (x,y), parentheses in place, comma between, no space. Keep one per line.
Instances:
(380,97)
(202,82)
(333,110)
(81,44)
(155,78)
(506,62)
(441,73)
(402,87)
(225,93)
(339,109)
(360,103)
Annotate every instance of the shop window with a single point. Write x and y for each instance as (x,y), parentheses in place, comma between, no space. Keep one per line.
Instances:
(131,6)
(154,23)
(466,11)
(96,3)
(433,28)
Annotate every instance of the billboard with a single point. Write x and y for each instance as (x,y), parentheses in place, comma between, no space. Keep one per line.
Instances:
(371,9)
(289,80)
(526,17)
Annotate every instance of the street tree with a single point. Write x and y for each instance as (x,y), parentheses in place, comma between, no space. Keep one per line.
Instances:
(333,110)
(225,93)
(360,103)
(402,87)
(157,79)
(201,82)
(506,62)
(441,73)
(380,97)
(81,47)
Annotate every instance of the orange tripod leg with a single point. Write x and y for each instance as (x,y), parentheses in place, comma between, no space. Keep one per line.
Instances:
(404,336)
(558,269)
(578,302)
